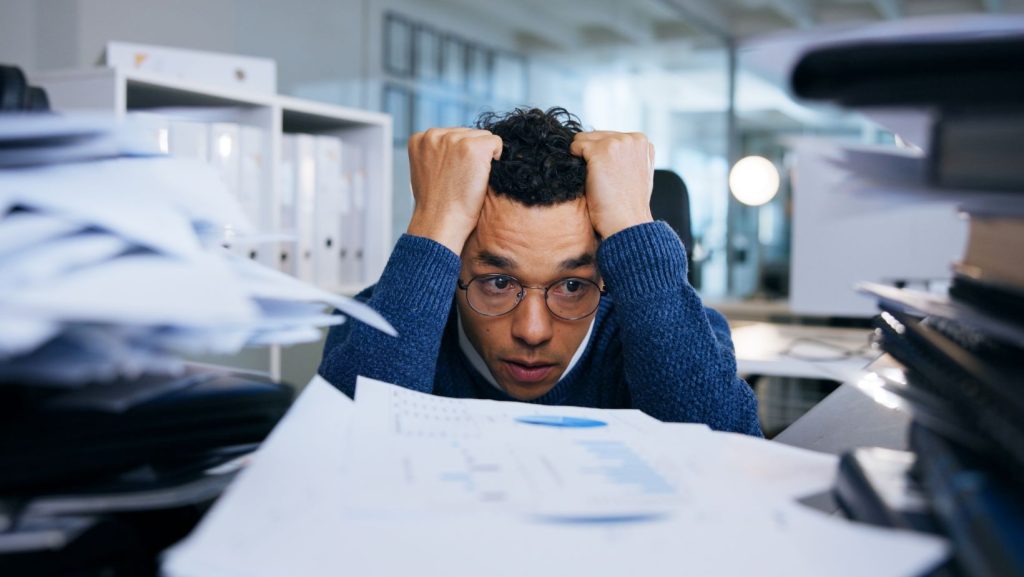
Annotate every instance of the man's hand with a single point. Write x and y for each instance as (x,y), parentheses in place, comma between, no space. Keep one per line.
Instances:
(620,175)
(450,169)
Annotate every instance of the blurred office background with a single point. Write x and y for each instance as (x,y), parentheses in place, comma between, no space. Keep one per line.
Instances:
(669,68)
(691,74)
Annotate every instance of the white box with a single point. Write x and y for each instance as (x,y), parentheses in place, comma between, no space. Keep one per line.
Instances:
(211,68)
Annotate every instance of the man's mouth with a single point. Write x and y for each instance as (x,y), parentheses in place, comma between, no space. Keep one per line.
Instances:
(527,372)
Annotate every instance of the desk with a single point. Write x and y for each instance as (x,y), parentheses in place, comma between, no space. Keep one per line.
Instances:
(846,419)
(799,351)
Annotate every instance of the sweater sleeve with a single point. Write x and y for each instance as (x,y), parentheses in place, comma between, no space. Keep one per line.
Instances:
(678,356)
(415,294)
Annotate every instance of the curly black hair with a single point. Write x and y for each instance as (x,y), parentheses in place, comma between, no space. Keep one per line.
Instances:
(536,168)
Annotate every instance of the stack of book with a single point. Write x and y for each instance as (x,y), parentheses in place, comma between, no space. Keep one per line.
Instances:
(962,351)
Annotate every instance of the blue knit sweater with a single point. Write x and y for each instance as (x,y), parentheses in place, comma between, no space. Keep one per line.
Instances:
(654,346)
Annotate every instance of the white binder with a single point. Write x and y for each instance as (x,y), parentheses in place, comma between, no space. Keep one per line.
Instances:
(154,127)
(254,191)
(329,190)
(305,205)
(286,205)
(190,139)
(224,157)
(355,228)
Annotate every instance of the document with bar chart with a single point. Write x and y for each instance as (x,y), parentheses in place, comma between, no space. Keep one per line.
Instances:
(423,452)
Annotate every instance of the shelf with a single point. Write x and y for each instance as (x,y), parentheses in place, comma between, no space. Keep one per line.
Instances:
(121,92)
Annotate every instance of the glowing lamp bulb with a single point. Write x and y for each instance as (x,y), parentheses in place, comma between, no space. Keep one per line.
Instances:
(754,180)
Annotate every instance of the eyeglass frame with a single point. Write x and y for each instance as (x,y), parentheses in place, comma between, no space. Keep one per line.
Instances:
(521,296)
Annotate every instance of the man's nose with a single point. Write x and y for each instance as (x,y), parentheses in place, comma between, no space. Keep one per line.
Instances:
(531,321)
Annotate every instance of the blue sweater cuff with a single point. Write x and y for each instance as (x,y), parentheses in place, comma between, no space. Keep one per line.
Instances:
(641,261)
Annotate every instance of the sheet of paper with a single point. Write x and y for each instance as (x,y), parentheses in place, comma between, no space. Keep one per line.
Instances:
(22,230)
(266,283)
(429,453)
(108,195)
(143,289)
(20,335)
(32,139)
(82,355)
(890,176)
(941,305)
(298,511)
(282,501)
(284,336)
(49,260)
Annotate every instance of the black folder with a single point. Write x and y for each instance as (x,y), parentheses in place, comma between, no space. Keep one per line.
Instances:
(55,439)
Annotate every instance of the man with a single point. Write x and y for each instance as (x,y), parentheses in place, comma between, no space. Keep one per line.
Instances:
(520,223)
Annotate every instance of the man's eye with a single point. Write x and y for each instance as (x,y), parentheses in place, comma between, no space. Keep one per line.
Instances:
(571,287)
(497,283)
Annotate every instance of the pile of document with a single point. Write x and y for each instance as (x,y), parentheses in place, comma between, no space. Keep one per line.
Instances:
(403,483)
(956,90)
(113,263)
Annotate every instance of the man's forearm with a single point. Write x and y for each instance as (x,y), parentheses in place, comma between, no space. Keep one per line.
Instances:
(676,367)
(415,294)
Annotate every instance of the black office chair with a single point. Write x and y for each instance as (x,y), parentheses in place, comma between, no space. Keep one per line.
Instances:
(670,202)
(16,95)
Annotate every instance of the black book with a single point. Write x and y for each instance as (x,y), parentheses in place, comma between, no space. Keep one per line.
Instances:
(983,394)
(979,510)
(997,298)
(875,485)
(978,149)
(980,71)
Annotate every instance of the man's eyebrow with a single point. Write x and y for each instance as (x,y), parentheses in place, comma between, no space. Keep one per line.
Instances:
(581,261)
(497,261)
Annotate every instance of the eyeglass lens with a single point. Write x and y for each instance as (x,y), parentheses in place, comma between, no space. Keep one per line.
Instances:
(569,298)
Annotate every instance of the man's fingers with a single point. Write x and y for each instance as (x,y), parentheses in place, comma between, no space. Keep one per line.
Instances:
(482,141)
(496,146)
(435,135)
(584,144)
(580,147)
(458,136)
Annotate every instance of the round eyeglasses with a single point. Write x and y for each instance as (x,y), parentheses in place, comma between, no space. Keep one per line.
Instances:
(570,299)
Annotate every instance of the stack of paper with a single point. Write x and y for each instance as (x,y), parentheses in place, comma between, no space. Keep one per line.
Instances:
(402,483)
(112,260)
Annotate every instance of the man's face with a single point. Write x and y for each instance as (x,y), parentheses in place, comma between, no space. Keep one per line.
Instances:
(528,349)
